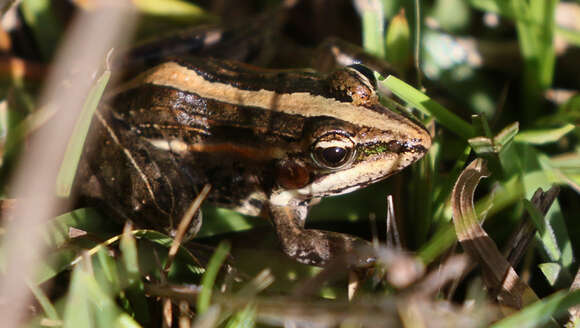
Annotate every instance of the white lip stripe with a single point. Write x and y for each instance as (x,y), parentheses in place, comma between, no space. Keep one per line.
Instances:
(173,75)
(346,181)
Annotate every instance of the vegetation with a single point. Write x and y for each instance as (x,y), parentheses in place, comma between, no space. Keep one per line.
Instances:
(498,81)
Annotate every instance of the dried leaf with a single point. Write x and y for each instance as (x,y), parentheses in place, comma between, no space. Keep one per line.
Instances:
(498,274)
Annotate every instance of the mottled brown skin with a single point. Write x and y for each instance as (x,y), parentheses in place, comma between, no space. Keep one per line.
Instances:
(156,146)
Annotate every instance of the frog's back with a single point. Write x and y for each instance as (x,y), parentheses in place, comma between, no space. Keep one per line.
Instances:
(156,146)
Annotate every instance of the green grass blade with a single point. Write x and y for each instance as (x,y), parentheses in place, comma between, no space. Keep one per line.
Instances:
(128,247)
(45,26)
(544,230)
(535,30)
(505,136)
(90,304)
(209,277)
(125,321)
(220,220)
(44,302)
(74,149)
(544,11)
(540,312)
(85,219)
(244,318)
(373,28)
(535,25)
(544,136)
(551,271)
(109,269)
(168,8)
(398,42)
(176,10)
(77,311)
(427,106)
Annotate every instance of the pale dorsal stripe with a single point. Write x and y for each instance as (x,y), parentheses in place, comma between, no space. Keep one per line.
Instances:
(173,75)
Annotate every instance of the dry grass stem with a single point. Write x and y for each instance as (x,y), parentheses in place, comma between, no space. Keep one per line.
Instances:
(498,274)
(90,36)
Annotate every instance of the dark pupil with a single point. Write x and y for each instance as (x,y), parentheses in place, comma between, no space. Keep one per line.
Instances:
(333,155)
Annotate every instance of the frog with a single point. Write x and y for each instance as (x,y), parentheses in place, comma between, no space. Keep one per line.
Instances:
(270,142)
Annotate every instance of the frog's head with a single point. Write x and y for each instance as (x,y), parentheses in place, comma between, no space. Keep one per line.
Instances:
(353,142)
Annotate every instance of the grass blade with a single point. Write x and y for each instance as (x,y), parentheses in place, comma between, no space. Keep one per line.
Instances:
(541,312)
(209,277)
(74,149)
(426,105)
(544,136)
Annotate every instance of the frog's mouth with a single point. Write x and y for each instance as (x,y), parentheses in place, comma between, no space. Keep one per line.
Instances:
(373,169)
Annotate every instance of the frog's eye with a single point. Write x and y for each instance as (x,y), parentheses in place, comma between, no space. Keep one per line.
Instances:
(333,151)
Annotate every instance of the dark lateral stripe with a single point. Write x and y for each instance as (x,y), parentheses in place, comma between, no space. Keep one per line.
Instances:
(167,109)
